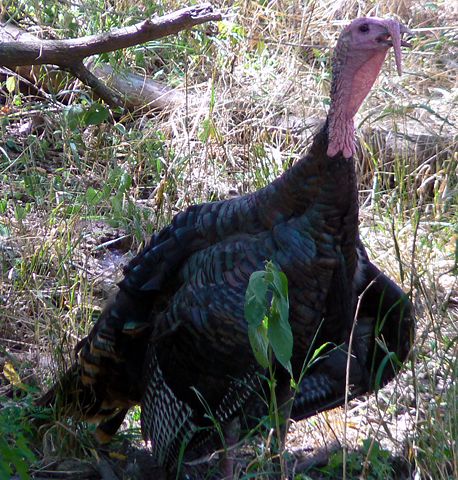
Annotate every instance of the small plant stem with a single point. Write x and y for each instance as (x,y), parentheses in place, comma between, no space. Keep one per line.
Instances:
(347,382)
(274,410)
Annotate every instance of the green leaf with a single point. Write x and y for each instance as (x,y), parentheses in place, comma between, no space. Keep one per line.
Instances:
(212,98)
(279,332)
(96,114)
(280,304)
(280,337)
(74,116)
(3,205)
(206,129)
(317,353)
(259,343)
(116,204)
(5,470)
(280,282)
(93,196)
(10,84)
(268,325)
(12,145)
(389,358)
(125,182)
(255,299)
(4,232)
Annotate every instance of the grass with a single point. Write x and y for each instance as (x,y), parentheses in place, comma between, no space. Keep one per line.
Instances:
(71,186)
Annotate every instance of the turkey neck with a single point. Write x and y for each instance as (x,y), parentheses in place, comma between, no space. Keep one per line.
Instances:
(316,184)
(350,87)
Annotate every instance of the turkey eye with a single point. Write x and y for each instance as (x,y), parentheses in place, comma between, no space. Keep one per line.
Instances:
(364,27)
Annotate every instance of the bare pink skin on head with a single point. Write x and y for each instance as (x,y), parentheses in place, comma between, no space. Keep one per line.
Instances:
(358,58)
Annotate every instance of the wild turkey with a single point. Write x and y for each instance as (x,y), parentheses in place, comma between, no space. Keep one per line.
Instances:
(174,339)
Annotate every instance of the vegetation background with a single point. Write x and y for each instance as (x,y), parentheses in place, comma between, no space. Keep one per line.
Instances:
(82,187)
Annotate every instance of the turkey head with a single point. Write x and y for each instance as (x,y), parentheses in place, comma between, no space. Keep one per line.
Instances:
(358,58)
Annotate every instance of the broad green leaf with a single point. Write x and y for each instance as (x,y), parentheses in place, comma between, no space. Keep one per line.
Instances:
(255,299)
(259,343)
(281,306)
(74,116)
(22,450)
(5,469)
(96,114)
(116,204)
(268,325)
(279,281)
(281,338)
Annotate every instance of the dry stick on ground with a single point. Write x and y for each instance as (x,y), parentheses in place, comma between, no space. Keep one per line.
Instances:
(139,91)
(69,54)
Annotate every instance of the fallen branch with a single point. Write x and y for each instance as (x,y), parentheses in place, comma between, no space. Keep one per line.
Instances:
(18,48)
(66,53)
(101,89)
(139,91)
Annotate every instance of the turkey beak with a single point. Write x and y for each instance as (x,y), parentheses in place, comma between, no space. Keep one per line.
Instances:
(403,29)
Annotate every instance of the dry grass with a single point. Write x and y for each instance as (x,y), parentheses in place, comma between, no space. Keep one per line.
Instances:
(254,93)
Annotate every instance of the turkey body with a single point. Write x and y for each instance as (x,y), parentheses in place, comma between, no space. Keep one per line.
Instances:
(174,339)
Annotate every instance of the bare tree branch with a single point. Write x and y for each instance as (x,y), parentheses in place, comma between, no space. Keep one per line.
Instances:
(66,53)
(107,94)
